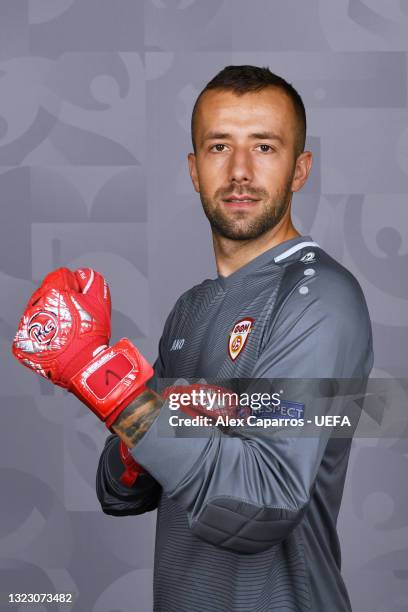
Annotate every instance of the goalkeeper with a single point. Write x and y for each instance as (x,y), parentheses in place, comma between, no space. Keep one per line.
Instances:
(246,523)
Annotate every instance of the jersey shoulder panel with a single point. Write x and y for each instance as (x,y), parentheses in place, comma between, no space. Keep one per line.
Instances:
(320,311)
(320,277)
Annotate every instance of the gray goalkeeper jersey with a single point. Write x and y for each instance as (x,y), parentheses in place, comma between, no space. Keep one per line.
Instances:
(247,522)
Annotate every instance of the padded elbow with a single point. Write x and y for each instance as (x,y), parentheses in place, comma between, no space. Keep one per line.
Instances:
(244,527)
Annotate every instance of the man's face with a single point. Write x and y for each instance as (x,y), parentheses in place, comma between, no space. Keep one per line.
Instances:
(245,160)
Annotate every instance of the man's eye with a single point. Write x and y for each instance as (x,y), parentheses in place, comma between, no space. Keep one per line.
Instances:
(265,148)
(218,147)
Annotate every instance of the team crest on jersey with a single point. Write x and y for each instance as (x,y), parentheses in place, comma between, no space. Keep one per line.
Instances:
(239,336)
(42,327)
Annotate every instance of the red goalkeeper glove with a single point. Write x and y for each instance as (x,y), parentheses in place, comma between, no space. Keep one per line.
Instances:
(64,334)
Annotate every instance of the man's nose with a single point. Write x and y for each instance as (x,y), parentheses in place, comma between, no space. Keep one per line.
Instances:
(240,168)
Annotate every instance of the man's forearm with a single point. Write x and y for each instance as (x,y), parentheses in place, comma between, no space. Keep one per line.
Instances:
(135,419)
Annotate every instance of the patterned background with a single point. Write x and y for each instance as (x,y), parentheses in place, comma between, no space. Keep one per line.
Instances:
(95,104)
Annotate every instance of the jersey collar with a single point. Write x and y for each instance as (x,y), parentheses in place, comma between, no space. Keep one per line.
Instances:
(272,256)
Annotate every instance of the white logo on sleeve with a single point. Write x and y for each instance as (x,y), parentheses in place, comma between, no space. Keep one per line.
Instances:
(178,344)
(309,257)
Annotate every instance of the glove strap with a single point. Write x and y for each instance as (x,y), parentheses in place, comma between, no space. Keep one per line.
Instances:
(112,380)
(133,469)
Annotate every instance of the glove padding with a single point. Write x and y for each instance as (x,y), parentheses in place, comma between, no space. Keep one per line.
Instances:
(63,335)
(65,323)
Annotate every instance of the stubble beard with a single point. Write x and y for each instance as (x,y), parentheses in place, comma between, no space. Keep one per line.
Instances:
(239,225)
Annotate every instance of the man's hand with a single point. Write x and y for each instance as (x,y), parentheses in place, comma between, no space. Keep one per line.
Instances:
(64,334)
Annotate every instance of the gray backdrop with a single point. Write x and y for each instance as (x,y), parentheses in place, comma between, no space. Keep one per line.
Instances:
(95,103)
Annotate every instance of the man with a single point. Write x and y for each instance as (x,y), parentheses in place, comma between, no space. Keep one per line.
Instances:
(245,522)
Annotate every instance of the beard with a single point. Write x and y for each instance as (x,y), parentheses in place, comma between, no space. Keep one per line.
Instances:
(243,225)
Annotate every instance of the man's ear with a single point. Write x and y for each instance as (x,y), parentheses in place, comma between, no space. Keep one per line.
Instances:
(192,165)
(302,170)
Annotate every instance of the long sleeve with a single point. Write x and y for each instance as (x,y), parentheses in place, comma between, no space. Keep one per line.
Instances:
(247,491)
(115,498)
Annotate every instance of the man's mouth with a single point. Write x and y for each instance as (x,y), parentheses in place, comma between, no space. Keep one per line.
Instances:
(241,199)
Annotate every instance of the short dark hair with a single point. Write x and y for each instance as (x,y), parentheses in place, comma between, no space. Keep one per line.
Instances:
(245,79)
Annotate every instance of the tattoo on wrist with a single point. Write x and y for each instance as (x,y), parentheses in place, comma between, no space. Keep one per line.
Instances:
(135,419)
